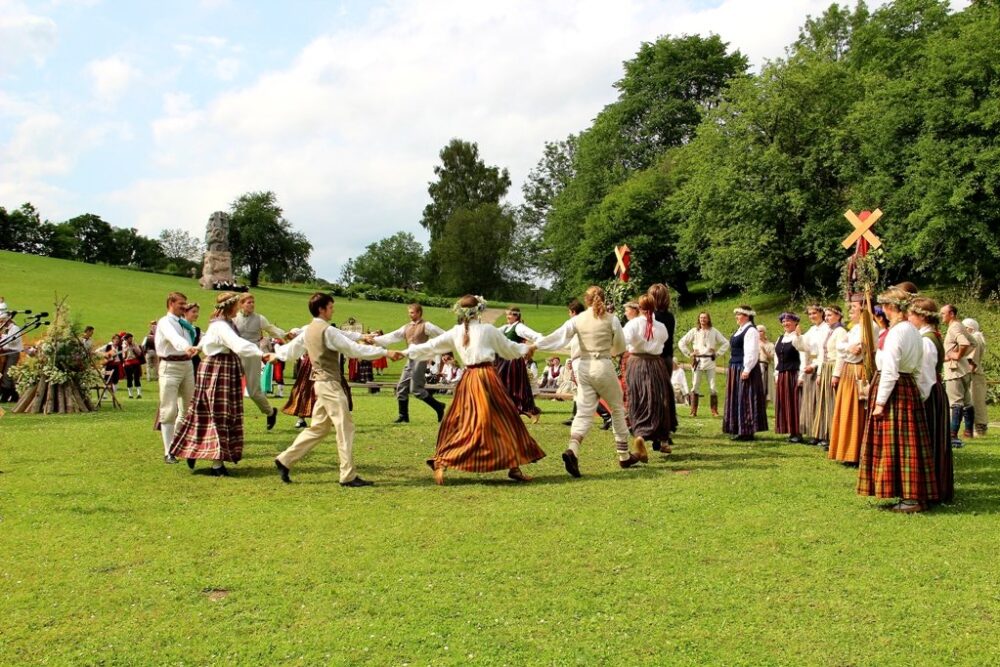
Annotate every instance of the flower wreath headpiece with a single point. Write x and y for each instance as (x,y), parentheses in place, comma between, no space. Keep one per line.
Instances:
(745,311)
(902,304)
(472,312)
(223,305)
(922,312)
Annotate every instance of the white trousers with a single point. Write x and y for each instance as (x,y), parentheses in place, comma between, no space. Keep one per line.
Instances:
(596,379)
(697,377)
(330,411)
(176,391)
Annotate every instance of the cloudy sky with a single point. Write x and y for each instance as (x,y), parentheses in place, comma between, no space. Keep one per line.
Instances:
(154,114)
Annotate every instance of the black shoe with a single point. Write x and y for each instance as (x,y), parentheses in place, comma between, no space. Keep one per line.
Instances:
(357,481)
(795,439)
(656,445)
(170,458)
(742,438)
(190,463)
(301,423)
(571,462)
(568,422)
(272,418)
(606,426)
(221,471)
(283,470)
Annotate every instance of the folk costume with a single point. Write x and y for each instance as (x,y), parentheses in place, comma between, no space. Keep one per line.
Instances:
(212,427)
(132,360)
(746,411)
(302,397)
(789,362)
(252,328)
(682,391)
(648,380)
(897,458)
(514,372)
(703,346)
(936,407)
(810,343)
(850,410)
(414,375)
(600,339)
(666,318)
(326,346)
(176,376)
(826,362)
(766,369)
(978,384)
(482,430)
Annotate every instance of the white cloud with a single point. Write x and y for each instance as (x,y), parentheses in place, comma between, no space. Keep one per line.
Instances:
(227,68)
(24,36)
(111,77)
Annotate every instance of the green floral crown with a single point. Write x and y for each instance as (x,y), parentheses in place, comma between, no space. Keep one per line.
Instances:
(471,312)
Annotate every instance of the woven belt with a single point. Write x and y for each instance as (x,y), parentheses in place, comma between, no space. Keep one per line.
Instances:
(176,357)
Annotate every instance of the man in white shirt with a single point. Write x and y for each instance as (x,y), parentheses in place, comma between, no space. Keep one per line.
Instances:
(251,326)
(416,331)
(174,347)
(703,344)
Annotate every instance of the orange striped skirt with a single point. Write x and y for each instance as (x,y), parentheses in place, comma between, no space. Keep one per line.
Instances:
(482,430)
(849,416)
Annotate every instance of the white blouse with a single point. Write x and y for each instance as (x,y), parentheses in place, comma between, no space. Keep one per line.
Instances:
(485,343)
(903,352)
(928,367)
(221,338)
(635,336)
(844,355)
(795,340)
(811,341)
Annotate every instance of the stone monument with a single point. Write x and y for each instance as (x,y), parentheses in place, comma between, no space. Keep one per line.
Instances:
(218,266)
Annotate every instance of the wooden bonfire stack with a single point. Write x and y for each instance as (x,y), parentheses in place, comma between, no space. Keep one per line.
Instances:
(55,377)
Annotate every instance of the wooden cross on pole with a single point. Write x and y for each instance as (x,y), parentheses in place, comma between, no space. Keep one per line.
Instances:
(623,257)
(862,228)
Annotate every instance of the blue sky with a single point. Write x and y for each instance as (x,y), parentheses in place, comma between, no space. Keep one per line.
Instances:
(155,114)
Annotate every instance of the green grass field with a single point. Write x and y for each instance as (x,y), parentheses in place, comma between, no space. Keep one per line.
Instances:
(723,553)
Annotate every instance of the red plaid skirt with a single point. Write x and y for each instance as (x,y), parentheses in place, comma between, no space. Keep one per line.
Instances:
(514,376)
(648,384)
(786,403)
(482,430)
(213,426)
(897,457)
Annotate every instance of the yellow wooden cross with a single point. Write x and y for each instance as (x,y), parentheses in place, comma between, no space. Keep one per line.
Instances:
(862,228)
(622,253)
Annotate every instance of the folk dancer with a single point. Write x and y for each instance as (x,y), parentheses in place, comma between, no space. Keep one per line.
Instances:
(766,363)
(809,344)
(661,301)
(601,338)
(924,315)
(325,345)
(412,380)
(826,362)
(514,372)
(252,326)
(174,348)
(789,362)
(212,427)
(850,406)
(897,459)
(746,410)
(569,386)
(702,344)
(648,379)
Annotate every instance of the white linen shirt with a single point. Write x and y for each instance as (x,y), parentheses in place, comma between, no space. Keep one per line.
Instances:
(221,338)
(170,339)
(698,342)
(928,366)
(485,343)
(635,336)
(565,335)
(399,335)
(845,344)
(296,347)
(903,352)
(522,330)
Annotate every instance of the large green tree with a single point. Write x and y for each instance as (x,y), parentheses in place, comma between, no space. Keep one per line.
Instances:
(395,261)
(261,239)
(473,251)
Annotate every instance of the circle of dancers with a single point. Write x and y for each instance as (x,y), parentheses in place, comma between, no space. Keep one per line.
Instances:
(898,428)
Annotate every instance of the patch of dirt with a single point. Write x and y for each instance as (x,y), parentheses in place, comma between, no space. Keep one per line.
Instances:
(216,594)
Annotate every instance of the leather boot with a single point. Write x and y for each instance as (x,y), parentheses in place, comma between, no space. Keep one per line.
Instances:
(404,412)
(605,417)
(714,404)
(436,405)
(970,420)
(956,422)
(694,404)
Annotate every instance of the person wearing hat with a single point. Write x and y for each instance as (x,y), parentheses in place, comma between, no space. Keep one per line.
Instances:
(746,411)
(789,362)
(978,384)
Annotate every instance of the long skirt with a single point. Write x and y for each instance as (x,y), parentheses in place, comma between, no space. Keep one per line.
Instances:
(825,398)
(786,403)
(482,430)
(897,456)
(807,403)
(365,371)
(746,410)
(936,407)
(513,374)
(213,426)
(648,389)
(300,400)
(849,413)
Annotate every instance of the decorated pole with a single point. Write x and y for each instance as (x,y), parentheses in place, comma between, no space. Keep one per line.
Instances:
(623,259)
(862,276)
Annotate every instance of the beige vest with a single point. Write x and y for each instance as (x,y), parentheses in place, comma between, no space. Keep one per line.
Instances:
(249,327)
(414,333)
(325,362)
(595,335)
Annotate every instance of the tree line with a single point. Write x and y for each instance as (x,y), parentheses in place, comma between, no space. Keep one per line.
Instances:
(263,242)
(739,180)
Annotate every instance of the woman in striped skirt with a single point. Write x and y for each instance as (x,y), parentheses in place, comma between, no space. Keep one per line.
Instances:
(213,426)
(897,457)
(789,366)
(303,395)
(809,344)
(826,362)
(647,378)
(746,409)
(514,372)
(849,412)
(482,430)
(924,316)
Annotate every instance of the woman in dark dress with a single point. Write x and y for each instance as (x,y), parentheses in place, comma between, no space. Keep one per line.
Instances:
(662,314)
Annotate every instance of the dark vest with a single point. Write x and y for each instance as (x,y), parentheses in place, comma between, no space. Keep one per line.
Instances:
(511,334)
(736,348)
(666,318)
(787,356)
(935,338)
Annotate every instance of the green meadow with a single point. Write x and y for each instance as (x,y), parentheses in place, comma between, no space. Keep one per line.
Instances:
(722,553)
